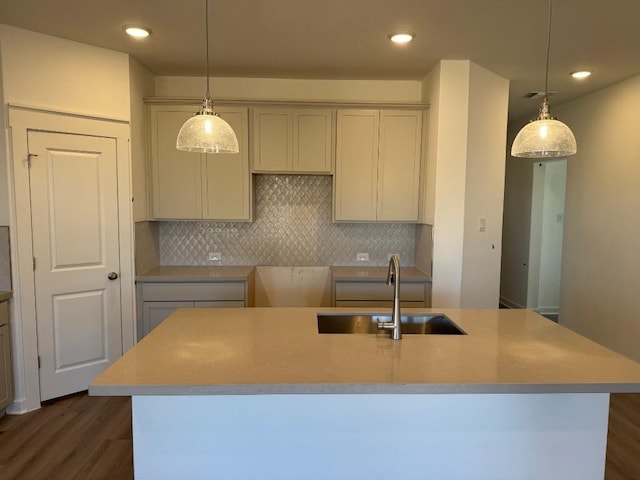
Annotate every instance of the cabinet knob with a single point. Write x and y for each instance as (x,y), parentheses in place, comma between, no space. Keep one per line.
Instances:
(112,276)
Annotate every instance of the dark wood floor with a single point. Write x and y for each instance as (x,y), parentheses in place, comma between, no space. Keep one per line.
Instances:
(623,442)
(78,437)
(81,437)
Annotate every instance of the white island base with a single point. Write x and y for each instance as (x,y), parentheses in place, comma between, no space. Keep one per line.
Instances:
(369,436)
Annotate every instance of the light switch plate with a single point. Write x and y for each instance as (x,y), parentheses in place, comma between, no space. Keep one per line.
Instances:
(362,257)
(215,256)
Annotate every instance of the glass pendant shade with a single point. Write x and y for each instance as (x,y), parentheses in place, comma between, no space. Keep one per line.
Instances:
(544,137)
(206,132)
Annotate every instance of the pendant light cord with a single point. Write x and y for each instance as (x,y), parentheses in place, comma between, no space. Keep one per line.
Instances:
(546,79)
(206,20)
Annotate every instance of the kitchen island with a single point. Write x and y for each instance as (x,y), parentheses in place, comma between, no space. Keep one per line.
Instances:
(259,393)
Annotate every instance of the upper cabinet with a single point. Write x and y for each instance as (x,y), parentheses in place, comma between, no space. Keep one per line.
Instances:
(378,156)
(292,140)
(187,185)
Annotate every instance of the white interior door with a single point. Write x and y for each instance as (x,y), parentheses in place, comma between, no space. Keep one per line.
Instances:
(73,184)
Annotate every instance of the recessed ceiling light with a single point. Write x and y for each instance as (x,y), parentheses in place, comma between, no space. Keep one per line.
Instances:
(402,37)
(581,74)
(136,31)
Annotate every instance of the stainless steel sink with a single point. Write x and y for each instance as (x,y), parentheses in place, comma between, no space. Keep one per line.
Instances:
(425,323)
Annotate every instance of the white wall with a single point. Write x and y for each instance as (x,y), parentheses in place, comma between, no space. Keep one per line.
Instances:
(465,177)
(384,91)
(142,84)
(601,259)
(484,189)
(52,73)
(448,123)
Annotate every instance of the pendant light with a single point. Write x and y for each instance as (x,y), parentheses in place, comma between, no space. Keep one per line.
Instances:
(206,131)
(544,136)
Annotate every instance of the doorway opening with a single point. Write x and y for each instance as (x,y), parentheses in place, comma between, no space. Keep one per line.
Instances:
(546,233)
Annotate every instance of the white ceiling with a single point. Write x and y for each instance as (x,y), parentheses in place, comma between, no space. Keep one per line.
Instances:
(347,39)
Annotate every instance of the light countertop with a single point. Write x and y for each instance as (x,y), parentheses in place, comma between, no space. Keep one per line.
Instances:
(375,274)
(5,295)
(234,273)
(195,274)
(278,351)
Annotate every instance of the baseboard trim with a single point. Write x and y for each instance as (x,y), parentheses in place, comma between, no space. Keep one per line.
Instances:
(18,407)
(509,304)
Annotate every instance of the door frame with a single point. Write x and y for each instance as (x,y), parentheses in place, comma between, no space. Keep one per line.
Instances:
(24,331)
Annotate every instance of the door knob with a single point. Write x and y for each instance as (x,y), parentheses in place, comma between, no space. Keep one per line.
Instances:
(112,276)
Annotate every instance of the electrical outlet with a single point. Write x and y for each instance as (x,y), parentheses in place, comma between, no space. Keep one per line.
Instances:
(215,256)
(362,257)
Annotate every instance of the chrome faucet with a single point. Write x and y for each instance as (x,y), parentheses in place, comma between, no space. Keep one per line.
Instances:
(393,277)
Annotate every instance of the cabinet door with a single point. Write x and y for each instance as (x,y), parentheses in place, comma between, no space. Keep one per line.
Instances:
(356,165)
(220,304)
(176,175)
(399,165)
(312,140)
(6,370)
(156,312)
(226,183)
(272,139)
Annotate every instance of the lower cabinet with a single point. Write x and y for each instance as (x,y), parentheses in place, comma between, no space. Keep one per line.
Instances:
(159,300)
(413,294)
(6,369)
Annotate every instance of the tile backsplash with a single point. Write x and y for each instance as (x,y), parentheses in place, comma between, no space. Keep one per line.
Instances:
(292,226)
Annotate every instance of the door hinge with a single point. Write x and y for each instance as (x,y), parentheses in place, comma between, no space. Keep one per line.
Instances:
(38,361)
(29,156)
(34,264)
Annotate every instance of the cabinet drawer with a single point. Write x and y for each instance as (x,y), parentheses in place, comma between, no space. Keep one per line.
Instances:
(413,292)
(373,303)
(212,291)
(220,304)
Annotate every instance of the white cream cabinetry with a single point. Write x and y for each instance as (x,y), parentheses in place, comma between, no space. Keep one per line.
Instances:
(6,369)
(413,294)
(188,185)
(159,300)
(378,156)
(292,140)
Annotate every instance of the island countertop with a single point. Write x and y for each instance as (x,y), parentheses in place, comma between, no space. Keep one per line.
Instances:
(257,351)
